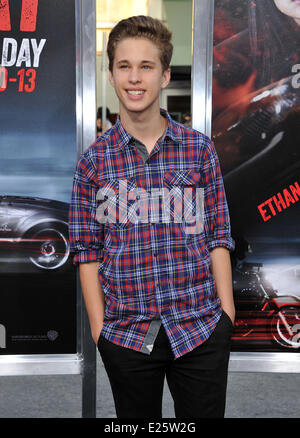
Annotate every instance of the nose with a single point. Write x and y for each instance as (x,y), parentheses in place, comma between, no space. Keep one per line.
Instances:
(134,76)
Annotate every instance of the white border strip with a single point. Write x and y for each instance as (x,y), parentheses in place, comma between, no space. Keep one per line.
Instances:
(44,364)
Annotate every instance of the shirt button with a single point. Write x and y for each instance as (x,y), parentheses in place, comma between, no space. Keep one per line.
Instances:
(155,254)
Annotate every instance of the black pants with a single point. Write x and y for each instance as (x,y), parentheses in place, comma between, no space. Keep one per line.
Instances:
(197,380)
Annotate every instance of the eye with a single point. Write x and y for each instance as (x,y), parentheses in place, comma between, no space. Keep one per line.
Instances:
(123,66)
(146,67)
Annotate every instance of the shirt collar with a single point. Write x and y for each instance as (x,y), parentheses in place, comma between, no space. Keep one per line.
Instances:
(172,131)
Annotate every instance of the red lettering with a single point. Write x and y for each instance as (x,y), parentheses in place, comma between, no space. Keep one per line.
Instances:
(263,211)
(269,201)
(31,75)
(4,15)
(21,80)
(29,15)
(295,190)
(280,202)
(288,197)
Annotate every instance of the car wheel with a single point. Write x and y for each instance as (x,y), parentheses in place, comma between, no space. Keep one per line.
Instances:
(49,246)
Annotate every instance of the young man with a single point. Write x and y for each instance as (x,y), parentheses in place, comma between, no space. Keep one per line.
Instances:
(159,297)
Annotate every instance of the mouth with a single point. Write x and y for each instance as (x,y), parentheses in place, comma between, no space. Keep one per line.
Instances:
(135,93)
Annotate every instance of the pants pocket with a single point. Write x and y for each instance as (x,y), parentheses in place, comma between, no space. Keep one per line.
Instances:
(228,318)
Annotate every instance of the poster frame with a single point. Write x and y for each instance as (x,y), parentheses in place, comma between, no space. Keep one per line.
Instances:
(202,70)
(83,362)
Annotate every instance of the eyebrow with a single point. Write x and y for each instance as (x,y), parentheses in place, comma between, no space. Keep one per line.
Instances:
(142,62)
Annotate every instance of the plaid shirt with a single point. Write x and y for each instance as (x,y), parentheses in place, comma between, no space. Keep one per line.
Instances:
(154,268)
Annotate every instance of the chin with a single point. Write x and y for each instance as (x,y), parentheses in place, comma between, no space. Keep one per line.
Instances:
(134,109)
(137,108)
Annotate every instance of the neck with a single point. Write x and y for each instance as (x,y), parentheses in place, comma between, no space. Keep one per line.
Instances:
(143,126)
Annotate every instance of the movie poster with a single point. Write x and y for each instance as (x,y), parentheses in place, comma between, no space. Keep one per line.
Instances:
(256,130)
(38,155)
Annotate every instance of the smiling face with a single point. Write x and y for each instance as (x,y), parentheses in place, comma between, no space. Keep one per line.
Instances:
(291,8)
(137,75)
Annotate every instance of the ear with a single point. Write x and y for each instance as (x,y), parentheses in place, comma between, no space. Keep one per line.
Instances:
(166,78)
(111,78)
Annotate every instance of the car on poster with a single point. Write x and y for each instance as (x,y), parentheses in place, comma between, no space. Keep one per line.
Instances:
(33,234)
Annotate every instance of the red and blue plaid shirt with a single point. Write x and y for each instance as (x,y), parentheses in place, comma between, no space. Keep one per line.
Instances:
(152,269)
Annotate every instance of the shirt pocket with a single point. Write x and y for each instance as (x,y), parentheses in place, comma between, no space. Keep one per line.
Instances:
(187,205)
(182,178)
(113,202)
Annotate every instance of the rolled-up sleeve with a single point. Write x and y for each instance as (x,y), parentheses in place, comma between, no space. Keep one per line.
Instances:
(85,232)
(217,227)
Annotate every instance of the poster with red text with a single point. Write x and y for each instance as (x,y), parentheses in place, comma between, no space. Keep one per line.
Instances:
(37,159)
(256,131)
